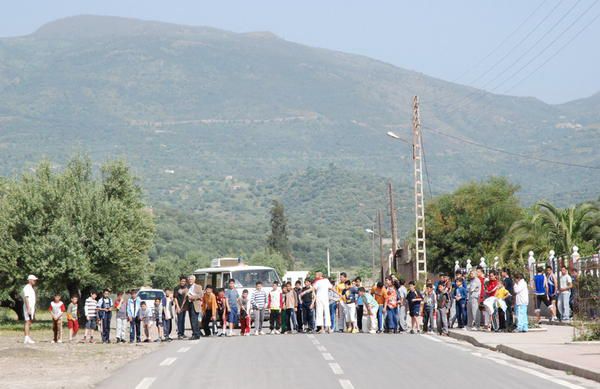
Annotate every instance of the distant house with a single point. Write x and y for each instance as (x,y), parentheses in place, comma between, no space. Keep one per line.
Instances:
(293,276)
(169,171)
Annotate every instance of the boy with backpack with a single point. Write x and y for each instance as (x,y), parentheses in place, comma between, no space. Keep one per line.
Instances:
(105,306)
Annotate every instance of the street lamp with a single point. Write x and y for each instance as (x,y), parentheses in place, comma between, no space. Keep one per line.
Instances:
(373,234)
(392,134)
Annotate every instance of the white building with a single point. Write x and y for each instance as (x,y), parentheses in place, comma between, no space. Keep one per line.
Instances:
(293,276)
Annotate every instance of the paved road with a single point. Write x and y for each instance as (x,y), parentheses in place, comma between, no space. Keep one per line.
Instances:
(333,361)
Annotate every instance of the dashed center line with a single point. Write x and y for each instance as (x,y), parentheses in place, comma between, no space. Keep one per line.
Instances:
(336,368)
(168,362)
(346,384)
(183,350)
(327,356)
(310,336)
(145,383)
(195,341)
(322,349)
(315,342)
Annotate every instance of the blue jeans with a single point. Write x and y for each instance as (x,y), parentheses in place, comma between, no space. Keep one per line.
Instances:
(106,326)
(461,312)
(332,312)
(134,330)
(392,318)
(181,323)
(167,327)
(380,318)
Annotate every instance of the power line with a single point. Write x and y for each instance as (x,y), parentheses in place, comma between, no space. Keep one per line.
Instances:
(547,46)
(515,47)
(553,55)
(506,39)
(495,149)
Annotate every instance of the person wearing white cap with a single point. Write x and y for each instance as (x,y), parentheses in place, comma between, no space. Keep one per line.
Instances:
(29,306)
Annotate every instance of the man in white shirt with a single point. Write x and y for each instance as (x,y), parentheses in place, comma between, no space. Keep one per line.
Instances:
(29,306)
(521,302)
(565,283)
(322,286)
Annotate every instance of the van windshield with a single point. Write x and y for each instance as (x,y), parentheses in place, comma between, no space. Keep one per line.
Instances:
(151,294)
(249,278)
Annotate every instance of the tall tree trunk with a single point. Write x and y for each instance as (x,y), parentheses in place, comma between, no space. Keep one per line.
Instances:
(16,304)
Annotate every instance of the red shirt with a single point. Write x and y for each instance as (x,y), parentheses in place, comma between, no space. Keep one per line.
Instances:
(491,287)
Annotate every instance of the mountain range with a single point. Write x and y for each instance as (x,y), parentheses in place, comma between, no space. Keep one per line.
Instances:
(193,107)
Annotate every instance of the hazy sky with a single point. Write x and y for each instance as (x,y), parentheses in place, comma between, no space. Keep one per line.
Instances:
(440,38)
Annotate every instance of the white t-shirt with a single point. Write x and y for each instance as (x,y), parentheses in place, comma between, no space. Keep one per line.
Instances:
(322,287)
(29,294)
(565,280)
(57,308)
(522,293)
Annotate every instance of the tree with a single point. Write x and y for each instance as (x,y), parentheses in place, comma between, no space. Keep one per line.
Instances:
(278,241)
(75,231)
(470,222)
(546,227)
(266,258)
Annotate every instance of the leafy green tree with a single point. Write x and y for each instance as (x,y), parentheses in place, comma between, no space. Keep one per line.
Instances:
(470,222)
(73,230)
(271,259)
(546,227)
(278,241)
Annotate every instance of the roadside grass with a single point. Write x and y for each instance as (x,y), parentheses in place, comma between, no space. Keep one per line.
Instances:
(9,321)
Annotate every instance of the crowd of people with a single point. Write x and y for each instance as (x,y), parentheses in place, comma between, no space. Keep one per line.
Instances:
(470,300)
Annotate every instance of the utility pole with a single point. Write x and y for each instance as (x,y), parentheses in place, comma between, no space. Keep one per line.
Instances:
(328,264)
(380,233)
(392,222)
(421,249)
(373,272)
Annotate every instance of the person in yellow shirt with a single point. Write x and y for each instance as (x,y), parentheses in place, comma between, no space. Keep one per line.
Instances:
(500,307)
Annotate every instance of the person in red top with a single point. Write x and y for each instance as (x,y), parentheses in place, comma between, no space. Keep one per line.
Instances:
(492,285)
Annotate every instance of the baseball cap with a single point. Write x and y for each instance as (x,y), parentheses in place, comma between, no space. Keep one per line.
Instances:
(31,277)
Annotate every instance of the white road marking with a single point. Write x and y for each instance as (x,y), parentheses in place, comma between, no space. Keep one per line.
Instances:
(183,350)
(535,373)
(168,362)
(431,338)
(315,342)
(477,354)
(195,341)
(336,368)
(327,356)
(310,336)
(322,349)
(145,383)
(346,384)
(457,347)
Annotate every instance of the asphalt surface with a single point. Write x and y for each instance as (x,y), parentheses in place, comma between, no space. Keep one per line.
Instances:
(333,361)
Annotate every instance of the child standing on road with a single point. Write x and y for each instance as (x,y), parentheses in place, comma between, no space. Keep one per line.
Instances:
(460,296)
(274,306)
(443,299)
(146,319)
(307,296)
(158,318)
(414,299)
(350,298)
(244,303)
(429,306)
(371,308)
(91,317)
(222,310)
(73,318)
(168,313)
(259,302)
(121,312)
(56,309)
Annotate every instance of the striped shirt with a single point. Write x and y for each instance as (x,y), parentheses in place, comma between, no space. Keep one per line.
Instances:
(259,299)
(90,307)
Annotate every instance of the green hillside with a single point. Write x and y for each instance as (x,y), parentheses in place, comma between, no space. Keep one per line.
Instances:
(186,103)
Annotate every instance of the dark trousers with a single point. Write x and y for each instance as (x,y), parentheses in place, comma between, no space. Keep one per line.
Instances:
(194,322)
(359,316)
(509,320)
(299,317)
(427,319)
(291,319)
(134,330)
(106,326)
(181,323)
(167,327)
(308,317)
(274,320)
(206,322)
